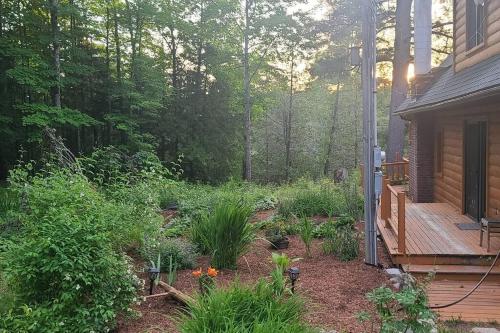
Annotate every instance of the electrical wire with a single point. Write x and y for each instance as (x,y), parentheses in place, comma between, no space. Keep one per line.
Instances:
(471,291)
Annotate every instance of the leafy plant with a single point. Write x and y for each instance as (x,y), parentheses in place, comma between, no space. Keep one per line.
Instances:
(403,311)
(241,308)
(225,234)
(307,234)
(172,271)
(275,231)
(173,251)
(341,239)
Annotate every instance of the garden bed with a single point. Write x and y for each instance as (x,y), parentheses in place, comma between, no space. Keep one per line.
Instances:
(334,291)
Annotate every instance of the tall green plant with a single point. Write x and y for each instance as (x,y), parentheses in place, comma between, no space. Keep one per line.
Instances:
(306,232)
(245,309)
(225,234)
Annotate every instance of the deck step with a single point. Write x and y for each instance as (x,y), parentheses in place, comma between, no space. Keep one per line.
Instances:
(454,272)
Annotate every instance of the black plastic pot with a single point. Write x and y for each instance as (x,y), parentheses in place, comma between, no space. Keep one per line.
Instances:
(281,244)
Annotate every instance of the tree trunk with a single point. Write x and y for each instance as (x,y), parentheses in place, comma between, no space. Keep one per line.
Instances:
(56,50)
(247,162)
(108,76)
(329,152)
(396,134)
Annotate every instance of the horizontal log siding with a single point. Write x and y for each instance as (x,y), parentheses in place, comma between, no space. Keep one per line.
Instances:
(463,59)
(448,185)
(494,163)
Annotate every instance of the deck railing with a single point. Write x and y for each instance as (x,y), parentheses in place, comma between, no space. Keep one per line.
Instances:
(396,172)
(393,212)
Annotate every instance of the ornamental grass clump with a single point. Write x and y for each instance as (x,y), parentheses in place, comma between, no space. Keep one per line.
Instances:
(225,234)
(245,309)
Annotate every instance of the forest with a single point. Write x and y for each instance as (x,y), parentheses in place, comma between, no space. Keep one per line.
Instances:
(260,90)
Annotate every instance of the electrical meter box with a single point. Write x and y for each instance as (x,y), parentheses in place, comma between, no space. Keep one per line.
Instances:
(379,179)
(377,156)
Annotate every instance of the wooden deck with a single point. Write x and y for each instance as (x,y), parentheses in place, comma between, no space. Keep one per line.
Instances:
(434,243)
(432,233)
(482,306)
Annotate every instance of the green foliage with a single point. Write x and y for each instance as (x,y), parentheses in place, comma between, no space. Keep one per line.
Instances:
(275,231)
(341,239)
(225,234)
(173,251)
(404,310)
(307,234)
(307,198)
(69,256)
(245,309)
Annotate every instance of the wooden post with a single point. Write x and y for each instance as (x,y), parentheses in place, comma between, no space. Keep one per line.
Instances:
(401,223)
(385,204)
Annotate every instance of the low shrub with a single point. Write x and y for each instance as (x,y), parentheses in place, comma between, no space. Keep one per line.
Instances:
(225,234)
(405,310)
(245,309)
(176,251)
(67,269)
(341,239)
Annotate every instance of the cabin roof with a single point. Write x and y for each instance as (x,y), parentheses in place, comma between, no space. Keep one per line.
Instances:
(476,82)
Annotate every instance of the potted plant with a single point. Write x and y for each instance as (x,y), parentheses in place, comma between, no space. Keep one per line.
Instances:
(276,235)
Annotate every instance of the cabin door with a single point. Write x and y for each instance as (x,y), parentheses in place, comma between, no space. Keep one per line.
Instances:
(475,169)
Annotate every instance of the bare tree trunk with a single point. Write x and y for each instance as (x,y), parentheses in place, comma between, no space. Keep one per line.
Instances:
(329,152)
(56,50)
(108,75)
(396,134)
(247,162)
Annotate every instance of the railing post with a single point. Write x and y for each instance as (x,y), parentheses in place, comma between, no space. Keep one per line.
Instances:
(401,223)
(385,204)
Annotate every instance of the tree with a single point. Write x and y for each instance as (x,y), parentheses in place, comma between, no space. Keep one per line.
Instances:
(402,57)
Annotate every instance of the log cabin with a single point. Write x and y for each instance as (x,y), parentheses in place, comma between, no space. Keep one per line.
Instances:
(433,223)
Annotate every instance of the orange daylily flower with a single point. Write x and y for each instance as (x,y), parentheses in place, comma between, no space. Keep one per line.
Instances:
(212,272)
(197,273)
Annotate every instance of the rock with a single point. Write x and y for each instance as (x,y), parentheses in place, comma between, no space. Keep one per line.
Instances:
(484,330)
(393,272)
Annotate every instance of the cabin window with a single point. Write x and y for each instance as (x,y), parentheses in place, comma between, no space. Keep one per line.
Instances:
(439,152)
(476,16)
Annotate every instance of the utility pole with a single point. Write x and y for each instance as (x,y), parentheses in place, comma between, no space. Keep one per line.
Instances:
(369,127)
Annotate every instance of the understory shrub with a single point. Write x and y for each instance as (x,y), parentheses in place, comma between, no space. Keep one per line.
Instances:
(172,251)
(245,309)
(67,269)
(341,239)
(225,234)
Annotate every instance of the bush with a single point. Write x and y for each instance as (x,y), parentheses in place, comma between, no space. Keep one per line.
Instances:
(403,311)
(66,269)
(341,239)
(244,309)
(225,234)
(182,252)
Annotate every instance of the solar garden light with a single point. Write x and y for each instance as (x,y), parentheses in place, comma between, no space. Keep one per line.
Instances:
(153,275)
(293,273)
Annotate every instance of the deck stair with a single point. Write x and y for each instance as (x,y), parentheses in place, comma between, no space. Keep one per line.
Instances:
(454,272)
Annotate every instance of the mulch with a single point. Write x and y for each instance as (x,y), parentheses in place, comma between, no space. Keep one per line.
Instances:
(334,291)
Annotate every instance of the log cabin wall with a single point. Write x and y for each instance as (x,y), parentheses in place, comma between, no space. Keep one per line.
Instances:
(465,58)
(449,183)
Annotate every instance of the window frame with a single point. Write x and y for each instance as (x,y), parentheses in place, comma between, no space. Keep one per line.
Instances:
(473,27)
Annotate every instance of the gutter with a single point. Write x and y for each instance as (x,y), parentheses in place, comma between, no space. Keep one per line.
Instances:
(475,96)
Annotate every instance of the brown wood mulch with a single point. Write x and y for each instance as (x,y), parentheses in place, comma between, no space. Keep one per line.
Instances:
(334,291)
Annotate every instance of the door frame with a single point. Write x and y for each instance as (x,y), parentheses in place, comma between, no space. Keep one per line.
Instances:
(467,121)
